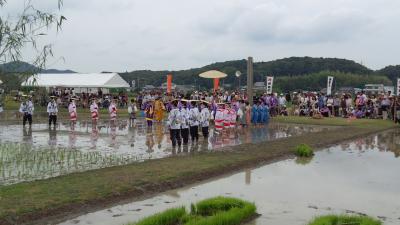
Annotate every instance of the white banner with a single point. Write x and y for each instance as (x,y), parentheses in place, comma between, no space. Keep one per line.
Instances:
(270,83)
(398,86)
(329,86)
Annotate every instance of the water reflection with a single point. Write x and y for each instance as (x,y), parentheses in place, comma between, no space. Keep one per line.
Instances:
(122,142)
(356,177)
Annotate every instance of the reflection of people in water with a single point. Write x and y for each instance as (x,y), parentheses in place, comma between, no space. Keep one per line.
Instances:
(113,134)
(52,137)
(72,138)
(149,140)
(27,136)
(159,135)
(94,137)
(132,134)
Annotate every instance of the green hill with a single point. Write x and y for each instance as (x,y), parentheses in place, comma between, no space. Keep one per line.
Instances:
(392,72)
(294,66)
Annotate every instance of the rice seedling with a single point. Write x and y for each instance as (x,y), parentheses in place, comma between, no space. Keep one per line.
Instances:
(168,217)
(304,150)
(344,220)
(214,211)
(21,162)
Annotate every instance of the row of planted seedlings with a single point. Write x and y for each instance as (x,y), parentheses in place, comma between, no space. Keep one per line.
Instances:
(213,211)
(233,211)
(20,162)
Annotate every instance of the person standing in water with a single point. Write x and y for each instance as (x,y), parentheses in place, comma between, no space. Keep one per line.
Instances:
(132,109)
(94,110)
(204,119)
(182,107)
(194,117)
(112,110)
(149,111)
(73,116)
(174,123)
(26,109)
(52,110)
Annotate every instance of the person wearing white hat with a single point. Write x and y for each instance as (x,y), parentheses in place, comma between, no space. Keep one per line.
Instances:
(52,110)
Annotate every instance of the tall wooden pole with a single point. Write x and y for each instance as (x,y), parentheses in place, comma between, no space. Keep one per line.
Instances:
(250,81)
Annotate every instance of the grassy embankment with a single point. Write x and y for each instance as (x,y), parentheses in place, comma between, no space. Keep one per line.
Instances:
(77,192)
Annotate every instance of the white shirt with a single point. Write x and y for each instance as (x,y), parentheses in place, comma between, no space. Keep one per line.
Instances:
(52,108)
(184,118)
(194,117)
(175,119)
(205,117)
(94,107)
(27,108)
(72,107)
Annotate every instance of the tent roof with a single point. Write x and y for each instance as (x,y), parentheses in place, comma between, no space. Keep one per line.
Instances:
(105,80)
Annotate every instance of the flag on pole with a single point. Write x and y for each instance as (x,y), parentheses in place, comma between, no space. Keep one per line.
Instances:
(270,83)
(329,86)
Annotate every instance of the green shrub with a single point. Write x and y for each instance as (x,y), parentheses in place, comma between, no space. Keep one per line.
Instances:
(304,150)
(168,217)
(345,220)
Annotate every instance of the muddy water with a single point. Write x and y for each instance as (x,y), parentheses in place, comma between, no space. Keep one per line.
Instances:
(359,177)
(42,152)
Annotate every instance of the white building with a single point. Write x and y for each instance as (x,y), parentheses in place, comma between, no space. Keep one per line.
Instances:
(80,82)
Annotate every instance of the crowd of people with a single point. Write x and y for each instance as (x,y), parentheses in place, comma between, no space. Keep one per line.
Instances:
(189,113)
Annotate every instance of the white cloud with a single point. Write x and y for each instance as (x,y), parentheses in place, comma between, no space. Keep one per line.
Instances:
(124,35)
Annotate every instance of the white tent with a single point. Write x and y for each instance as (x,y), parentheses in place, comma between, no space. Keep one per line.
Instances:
(1,82)
(77,80)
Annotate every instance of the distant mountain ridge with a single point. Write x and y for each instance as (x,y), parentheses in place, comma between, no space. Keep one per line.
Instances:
(24,67)
(293,66)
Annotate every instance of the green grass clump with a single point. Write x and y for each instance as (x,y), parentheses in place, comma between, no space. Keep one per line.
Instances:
(345,220)
(214,211)
(304,150)
(234,216)
(210,206)
(168,217)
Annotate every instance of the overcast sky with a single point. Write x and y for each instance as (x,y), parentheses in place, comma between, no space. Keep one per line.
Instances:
(120,35)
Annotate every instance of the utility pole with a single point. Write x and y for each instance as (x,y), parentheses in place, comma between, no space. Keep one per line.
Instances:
(250,82)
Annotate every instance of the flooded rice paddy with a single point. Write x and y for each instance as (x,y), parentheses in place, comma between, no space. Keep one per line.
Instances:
(358,177)
(28,154)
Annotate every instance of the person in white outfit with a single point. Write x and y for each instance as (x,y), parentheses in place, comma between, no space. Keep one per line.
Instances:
(52,110)
(175,119)
(204,119)
(194,121)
